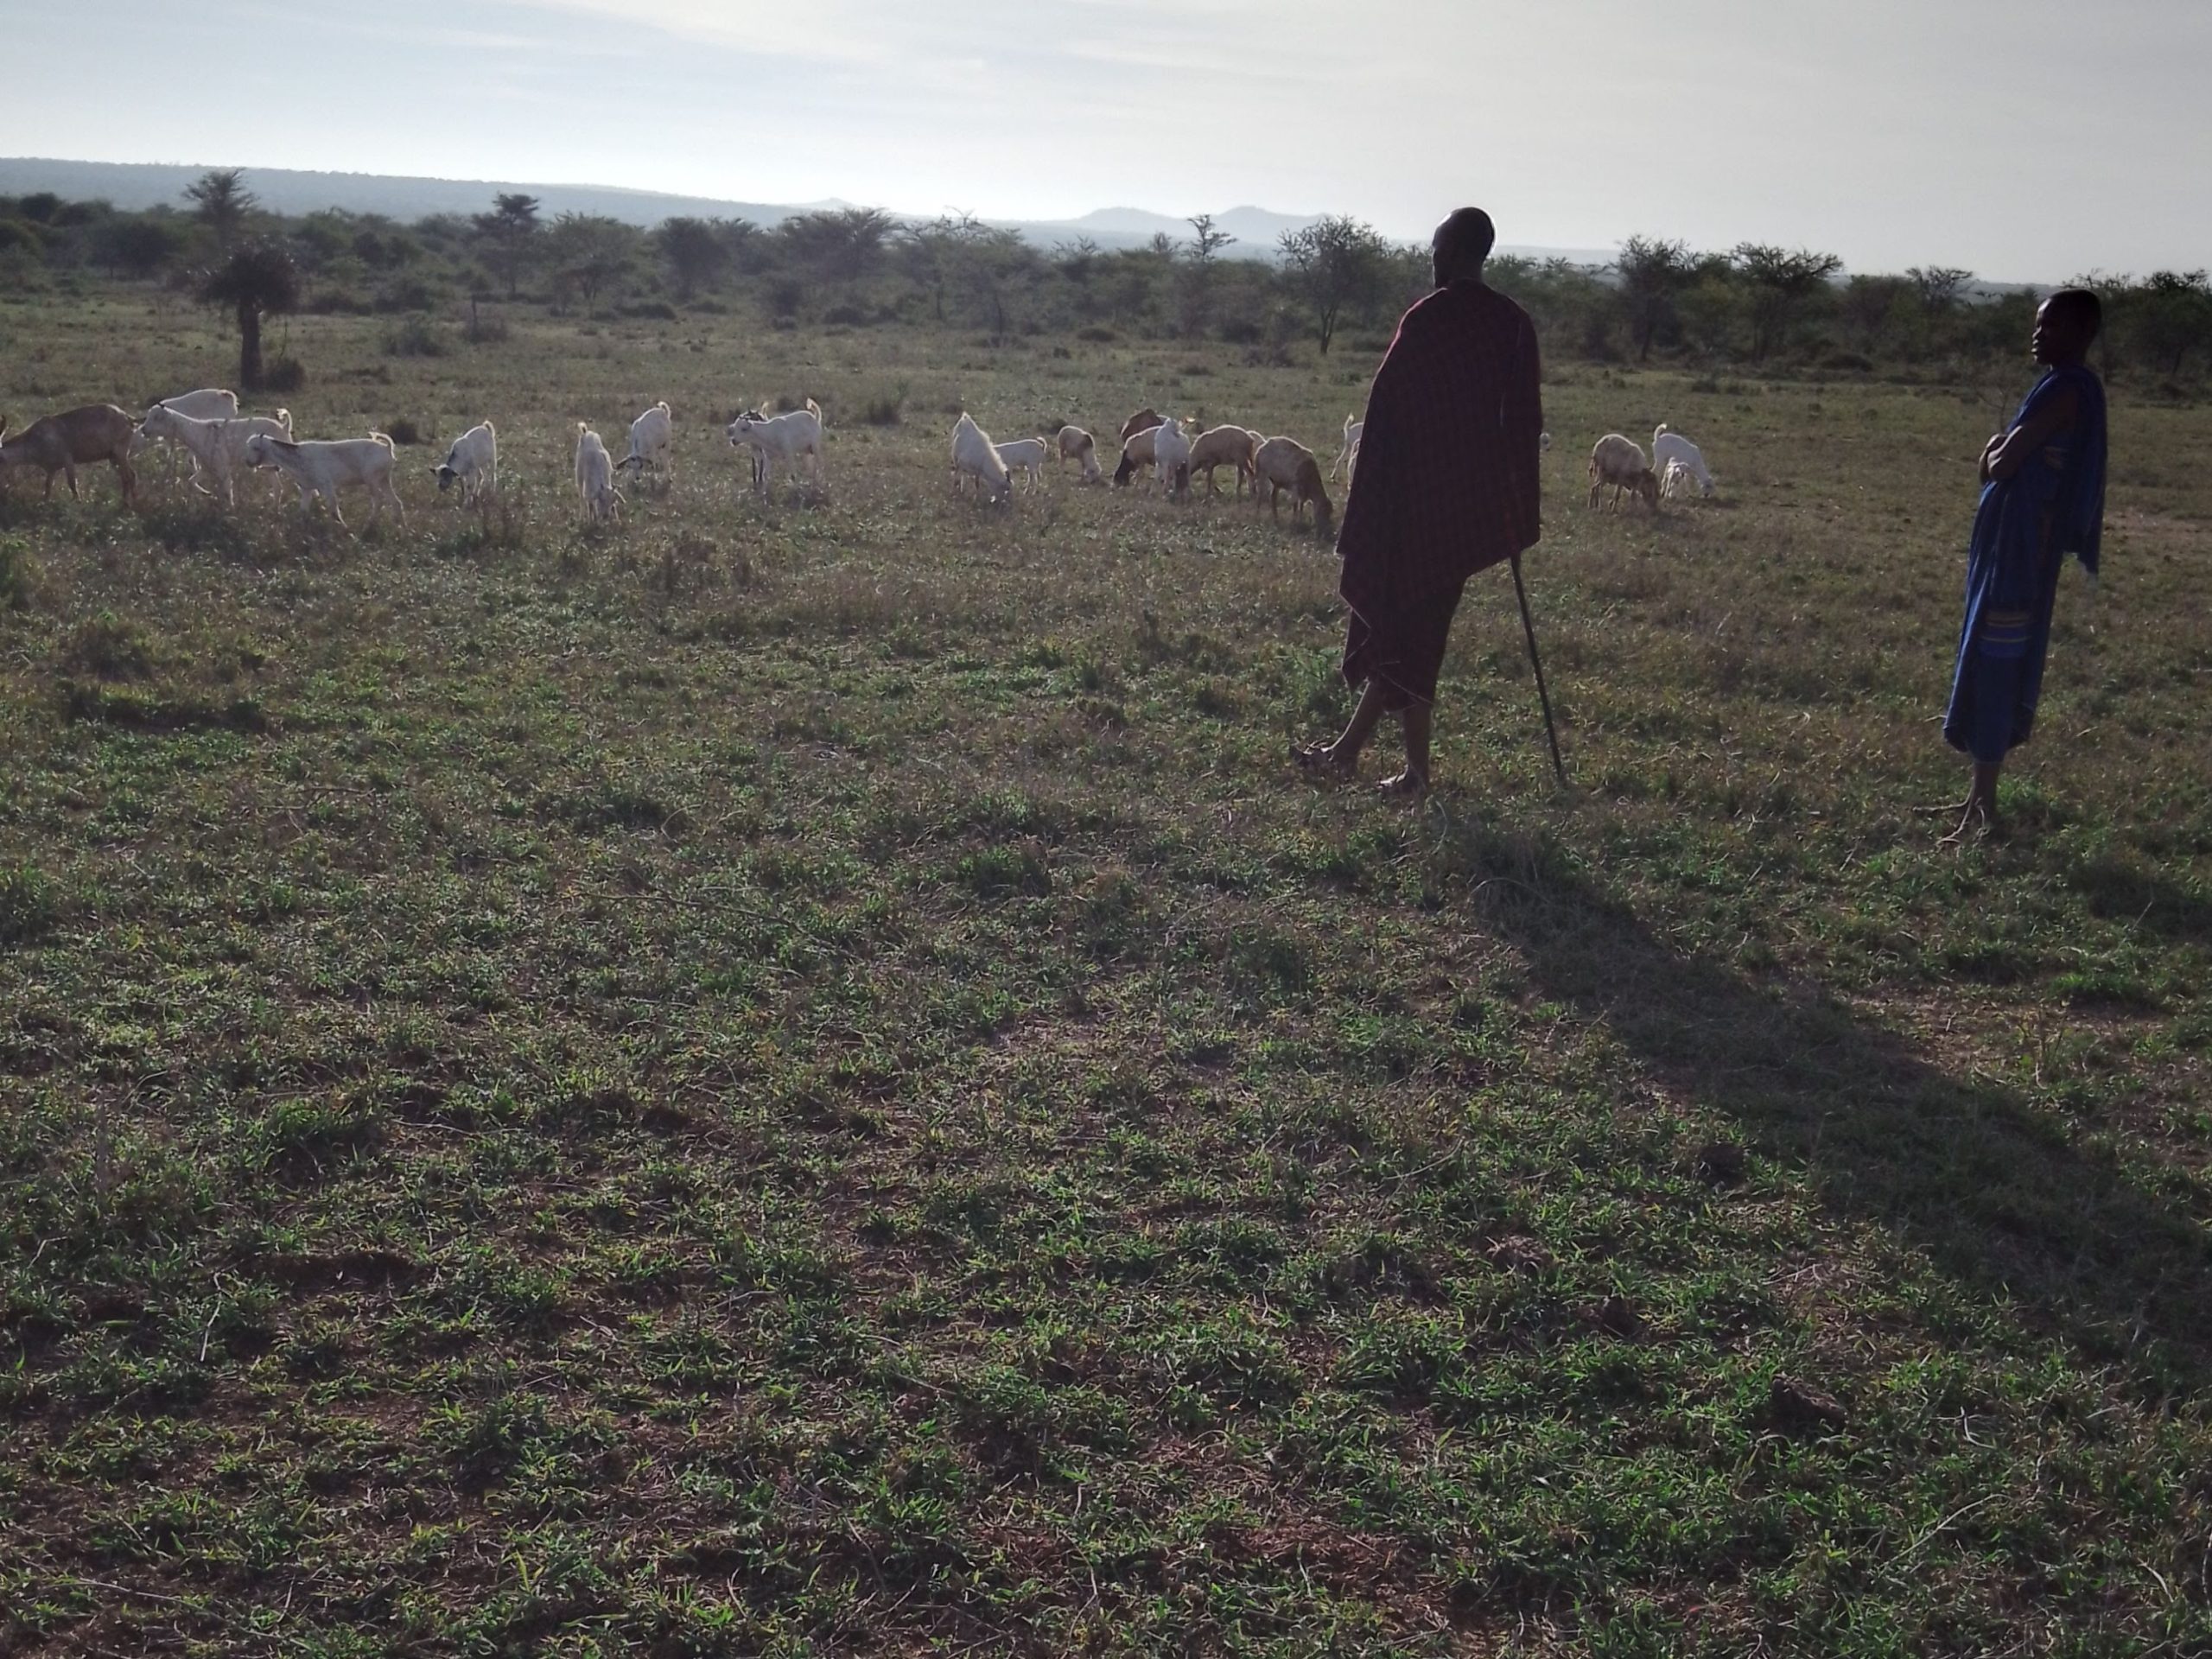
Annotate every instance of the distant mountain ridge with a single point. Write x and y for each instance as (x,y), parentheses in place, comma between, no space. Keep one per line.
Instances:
(139,185)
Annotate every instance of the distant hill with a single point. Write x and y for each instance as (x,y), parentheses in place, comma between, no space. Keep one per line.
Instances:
(138,185)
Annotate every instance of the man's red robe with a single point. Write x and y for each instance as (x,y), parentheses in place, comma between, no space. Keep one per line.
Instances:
(1446,483)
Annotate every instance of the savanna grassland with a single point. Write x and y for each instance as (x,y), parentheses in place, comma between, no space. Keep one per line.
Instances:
(807,1078)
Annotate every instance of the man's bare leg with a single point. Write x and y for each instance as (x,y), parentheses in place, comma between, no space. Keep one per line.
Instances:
(1414,780)
(1980,811)
(1342,757)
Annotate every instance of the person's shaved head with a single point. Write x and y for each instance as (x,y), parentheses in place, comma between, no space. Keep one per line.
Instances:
(1461,245)
(2082,309)
(2066,325)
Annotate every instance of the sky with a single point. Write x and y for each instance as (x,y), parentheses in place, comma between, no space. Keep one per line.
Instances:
(2028,141)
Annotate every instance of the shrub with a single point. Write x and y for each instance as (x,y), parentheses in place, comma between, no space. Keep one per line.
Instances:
(28,905)
(1097,335)
(884,410)
(416,338)
(19,573)
(850,316)
(1242,331)
(784,323)
(283,374)
(403,431)
(486,331)
(411,295)
(339,302)
(1847,363)
(113,647)
(650,310)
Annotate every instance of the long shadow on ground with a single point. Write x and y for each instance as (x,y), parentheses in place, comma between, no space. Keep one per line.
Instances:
(1963,1169)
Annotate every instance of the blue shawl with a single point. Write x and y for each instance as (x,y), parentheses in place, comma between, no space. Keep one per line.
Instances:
(2025,525)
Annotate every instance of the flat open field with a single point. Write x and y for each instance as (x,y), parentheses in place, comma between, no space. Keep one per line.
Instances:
(809,1079)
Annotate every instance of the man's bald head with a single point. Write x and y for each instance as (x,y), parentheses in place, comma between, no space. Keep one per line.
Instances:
(1461,245)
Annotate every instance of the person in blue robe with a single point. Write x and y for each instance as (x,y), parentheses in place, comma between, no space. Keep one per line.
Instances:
(2043,497)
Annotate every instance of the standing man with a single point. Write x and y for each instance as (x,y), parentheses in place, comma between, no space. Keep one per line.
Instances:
(2043,497)
(1446,484)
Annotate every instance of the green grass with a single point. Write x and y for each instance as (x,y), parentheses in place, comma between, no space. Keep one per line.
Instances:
(807,1078)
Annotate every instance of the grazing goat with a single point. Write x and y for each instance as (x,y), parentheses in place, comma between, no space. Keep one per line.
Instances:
(781,437)
(1286,464)
(323,467)
(1137,450)
(653,444)
(1076,445)
(595,476)
(1170,456)
(974,456)
(473,462)
(1224,445)
(1676,482)
(1669,447)
(209,404)
(1026,457)
(1146,418)
(217,447)
(61,443)
(1348,457)
(1619,462)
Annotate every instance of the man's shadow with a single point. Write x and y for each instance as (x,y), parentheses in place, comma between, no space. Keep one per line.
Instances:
(1961,1168)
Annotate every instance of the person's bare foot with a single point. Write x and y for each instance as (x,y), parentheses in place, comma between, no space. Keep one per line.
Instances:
(1975,816)
(1407,785)
(1322,760)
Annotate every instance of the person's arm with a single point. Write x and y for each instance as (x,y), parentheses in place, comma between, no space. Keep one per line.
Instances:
(2006,456)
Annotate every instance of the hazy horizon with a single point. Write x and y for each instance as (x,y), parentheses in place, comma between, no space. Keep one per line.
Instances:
(1893,136)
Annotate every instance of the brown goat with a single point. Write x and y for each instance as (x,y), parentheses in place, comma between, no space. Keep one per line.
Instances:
(61,443)
(1224,445)
(1286,464)
(1143,420)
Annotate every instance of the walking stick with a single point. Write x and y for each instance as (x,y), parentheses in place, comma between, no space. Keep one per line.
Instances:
(1528,625)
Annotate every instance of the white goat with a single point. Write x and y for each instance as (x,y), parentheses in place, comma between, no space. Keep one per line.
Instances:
(1076,444)
(473,462)
(322,468)
(1026,457)
(653,444)
(1170,456)
(1669,447)
(1619,462)
(1348,457)
(783,438)
(209,404)
(974,456)
(595,475)
(217,448)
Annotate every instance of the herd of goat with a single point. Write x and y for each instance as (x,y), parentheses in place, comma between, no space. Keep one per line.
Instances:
(206,428)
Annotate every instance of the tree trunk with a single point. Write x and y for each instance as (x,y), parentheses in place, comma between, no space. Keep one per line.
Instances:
(250,346)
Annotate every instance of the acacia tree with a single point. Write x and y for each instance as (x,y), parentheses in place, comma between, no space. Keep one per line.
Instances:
(1652,272)
(510,231)
(1333,265)
(221,199)
(1940,286)
(1781,282)
(2170,314)
(258,281)
(587,251)
(695,252)
(842,247)
(1195,282)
